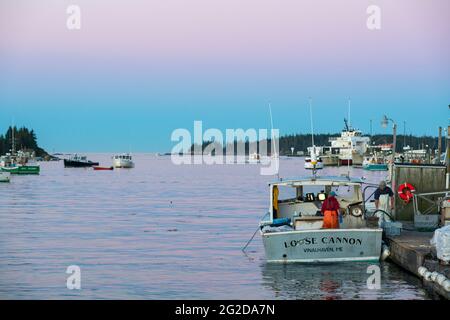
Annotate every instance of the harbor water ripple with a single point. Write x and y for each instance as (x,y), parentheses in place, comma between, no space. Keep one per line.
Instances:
(162,231)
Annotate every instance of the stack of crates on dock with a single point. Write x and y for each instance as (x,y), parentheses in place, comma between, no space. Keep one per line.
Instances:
(392,228)
(426,222)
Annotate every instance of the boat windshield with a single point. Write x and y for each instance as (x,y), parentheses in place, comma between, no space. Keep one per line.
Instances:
(124,157)
(306,200)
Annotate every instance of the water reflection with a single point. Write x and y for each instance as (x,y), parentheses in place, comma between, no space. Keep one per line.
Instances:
(160,231)
(337,281)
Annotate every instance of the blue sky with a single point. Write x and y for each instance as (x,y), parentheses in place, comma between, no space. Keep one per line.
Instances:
(118,85)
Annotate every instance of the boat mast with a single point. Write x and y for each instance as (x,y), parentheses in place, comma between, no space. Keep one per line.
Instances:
(271,124)
(349,113)
(313,156)
(311,119)
(273,138)
(13,140)
(351,147)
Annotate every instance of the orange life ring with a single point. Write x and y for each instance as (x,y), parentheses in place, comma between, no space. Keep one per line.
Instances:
(406,192)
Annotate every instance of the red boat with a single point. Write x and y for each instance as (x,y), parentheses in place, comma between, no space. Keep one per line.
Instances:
(103,168)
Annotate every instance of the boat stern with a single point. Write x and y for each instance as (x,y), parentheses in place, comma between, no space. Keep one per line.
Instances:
(324,245)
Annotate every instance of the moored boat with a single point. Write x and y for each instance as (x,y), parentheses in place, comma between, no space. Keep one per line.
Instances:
(123,161)
(314,161)
(13,164)
(77,161)
(22,169)
(97,168)
(5,176)
(374,163)
(292,230)
(346,150)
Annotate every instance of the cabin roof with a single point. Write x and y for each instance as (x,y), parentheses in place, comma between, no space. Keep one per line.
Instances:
(324,180)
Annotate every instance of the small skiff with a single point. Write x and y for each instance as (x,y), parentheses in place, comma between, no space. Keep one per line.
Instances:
(97,168)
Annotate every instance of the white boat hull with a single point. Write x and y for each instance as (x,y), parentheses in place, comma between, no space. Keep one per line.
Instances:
(324,245)
(310,166)
(5,176)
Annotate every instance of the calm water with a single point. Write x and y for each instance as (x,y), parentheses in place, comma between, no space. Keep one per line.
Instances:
(161,231)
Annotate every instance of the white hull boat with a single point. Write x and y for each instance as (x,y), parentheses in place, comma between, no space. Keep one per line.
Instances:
(254,158)
(323,245)
(292,231)
(123,161)
(5,176)
(313,164)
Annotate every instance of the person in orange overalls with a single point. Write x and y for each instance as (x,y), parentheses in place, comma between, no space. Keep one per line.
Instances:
(330,211)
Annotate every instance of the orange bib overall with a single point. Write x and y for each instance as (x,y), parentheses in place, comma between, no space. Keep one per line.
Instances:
(330,219)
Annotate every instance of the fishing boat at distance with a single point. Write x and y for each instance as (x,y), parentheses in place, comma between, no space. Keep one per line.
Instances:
(292,230)
(18,164)
(375,163)
(123,161)
(77,161)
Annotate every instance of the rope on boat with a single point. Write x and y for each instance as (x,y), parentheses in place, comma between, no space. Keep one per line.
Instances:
(254,234)
(249,241)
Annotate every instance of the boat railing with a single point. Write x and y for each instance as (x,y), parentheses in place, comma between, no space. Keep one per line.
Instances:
(365,200)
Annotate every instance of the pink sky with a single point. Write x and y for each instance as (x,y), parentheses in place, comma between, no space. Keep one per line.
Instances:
(253,31)
(174,61)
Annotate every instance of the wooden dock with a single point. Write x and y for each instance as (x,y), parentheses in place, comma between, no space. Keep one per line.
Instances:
(411,250)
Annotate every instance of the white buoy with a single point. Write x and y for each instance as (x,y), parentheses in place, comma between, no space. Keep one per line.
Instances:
(385,253)
(422,271)
(446,285)
(434,276)
(440,279)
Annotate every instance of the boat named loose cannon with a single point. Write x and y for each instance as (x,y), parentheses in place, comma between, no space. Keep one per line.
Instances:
(293,230)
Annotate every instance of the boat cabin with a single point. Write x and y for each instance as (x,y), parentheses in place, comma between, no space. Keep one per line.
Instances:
(300,201)
(122,157)
(77,157)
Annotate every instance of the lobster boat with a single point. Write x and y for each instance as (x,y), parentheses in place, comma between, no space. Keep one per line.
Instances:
(123,161)
(21,169)
(18,164)
(292,230)
(375,163)
(77,161)
(314,161)
(97,168)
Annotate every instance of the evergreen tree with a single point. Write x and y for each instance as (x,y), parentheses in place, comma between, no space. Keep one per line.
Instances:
(24,139)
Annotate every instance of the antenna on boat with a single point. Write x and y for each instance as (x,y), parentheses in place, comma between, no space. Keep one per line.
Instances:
(129,141)
(13,139)
(349,113)
(349,128)
(311,118)
(313,147)
(271,126)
